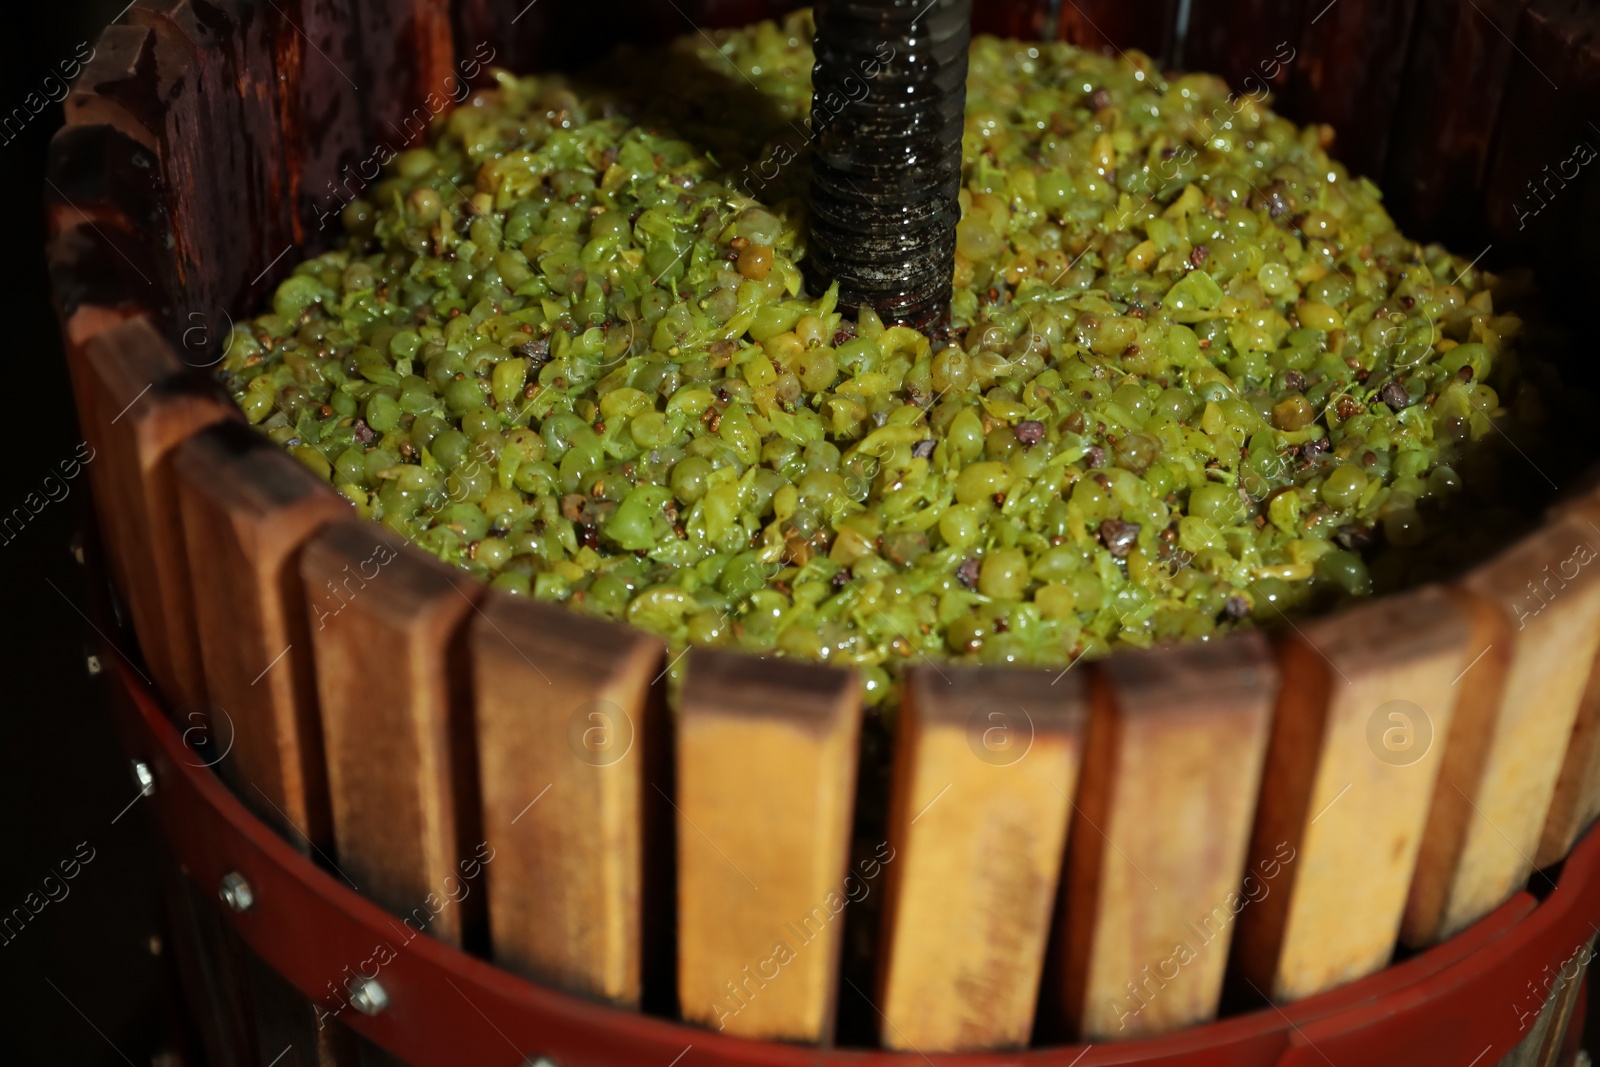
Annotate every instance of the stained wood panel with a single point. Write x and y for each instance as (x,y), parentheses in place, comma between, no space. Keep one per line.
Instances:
(766,763)
(143,407)
(387,634)
(248,508)
(986,764)
(569,728)
(1157,848)
(1357,742)
(1535,613)
(1116,27)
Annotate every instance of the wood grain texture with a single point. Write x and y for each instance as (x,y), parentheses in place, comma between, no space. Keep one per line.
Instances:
(1576,801)
(567,724)
(766,771)
(388,637)
(401,98)
(1535,612)
(1157,848)
(1357,742)
(143,405)
(1115,26)
(1245,39)
(1445,116)
(316,52)
(221,150)
(1336,38)
(986,764)
(248,508)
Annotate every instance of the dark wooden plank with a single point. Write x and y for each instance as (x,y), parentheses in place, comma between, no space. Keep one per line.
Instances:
(144,404)
(1248,43)
(407,67)
(1116,26)
(1542,188)
(221,151)
(388,636)
(1336,39)
(1023,19)
(1446,114)
(248,509)
(327,162)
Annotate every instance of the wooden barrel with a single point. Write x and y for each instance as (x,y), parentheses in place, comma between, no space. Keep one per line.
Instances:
(1163,840)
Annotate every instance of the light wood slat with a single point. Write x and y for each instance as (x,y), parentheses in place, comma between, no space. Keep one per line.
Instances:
(143,404)
(1576,802)
(567,726)
(1536,624)
(1357,742)
(986,764)
(1157,850)
(388,639)
(766,770)
(248,509)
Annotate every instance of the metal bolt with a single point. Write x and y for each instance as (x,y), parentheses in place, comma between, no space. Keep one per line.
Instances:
(145,777)
(93,663)
(369,997)
(236,892)
(538,1061)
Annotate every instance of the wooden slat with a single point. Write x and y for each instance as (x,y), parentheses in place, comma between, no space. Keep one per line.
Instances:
(407,66)
(1576,801)
(567,723)
(387,633)
(1536,624)
(766,768)
(986,764)
(248,509)
(316,53)
(1249,43)
(1357,742)
(1157,850)
(1445,116)
(1114,26)
(1370,35)
(222,161)
(143,405)
(1021,19)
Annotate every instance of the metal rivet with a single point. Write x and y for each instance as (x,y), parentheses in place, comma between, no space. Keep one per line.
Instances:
(146,779)
(369,997)
(93,663)
(236,892)
(538,1061)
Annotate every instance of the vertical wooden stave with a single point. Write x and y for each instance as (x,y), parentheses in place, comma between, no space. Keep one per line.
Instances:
(1333,915)
(1576,801)
(1450,101)
(1115,26)
(1513,722)
(1240,39)
(569,722)
(316,54)
(248,508)
(1180,732)
(1334,38)
(392,685)
(766,760)
(144,405)
(986,763)
(407,50)
(221,153)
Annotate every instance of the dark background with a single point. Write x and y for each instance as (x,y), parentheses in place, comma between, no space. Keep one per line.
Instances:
(80,982)
(87,980)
